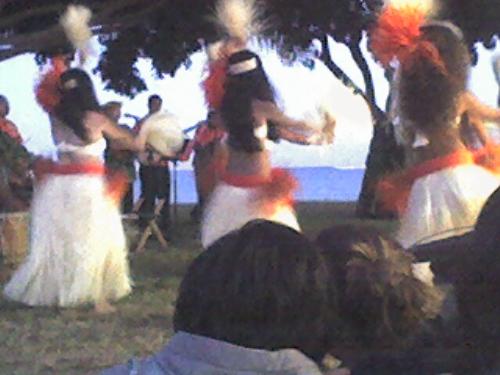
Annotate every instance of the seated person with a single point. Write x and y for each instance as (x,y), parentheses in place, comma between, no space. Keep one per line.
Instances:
(472,263)
(254,302)
(382,305)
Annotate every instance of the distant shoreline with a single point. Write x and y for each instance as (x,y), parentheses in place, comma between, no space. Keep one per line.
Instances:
(316,184)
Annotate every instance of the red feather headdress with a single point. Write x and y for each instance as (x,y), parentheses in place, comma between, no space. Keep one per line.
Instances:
(47,90)
(397,35)
(240,21)
(213,85)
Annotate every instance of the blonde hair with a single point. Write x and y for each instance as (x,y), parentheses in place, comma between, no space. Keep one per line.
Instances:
(380,298)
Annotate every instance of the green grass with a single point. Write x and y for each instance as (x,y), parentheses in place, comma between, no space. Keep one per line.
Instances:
(76,341)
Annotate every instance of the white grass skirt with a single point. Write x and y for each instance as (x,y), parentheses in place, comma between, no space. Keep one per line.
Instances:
(77,247)
(231,207)
(445,203)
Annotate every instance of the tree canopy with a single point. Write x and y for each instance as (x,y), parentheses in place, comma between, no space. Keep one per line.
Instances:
(169,31)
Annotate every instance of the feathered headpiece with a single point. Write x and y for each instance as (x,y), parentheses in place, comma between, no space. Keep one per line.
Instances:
(397,35)
(47,91)
(239,20)
(75,22)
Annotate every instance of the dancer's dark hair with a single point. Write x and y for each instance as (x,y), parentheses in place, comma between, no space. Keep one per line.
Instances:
(263,286)
(77,97)
(236,109)
(428,95)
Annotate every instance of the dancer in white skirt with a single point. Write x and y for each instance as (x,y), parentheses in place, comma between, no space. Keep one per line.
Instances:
(238,89)
(77,250)
(446,185)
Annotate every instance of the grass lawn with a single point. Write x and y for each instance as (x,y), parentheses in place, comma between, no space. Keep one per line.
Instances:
(76,341)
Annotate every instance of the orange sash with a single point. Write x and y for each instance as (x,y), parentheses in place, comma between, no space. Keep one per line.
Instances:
(278,187)
(116,181)
(394,190)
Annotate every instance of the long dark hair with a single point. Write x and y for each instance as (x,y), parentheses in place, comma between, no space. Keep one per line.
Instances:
(429,96)
(77,97)
(236,107)
(262,287)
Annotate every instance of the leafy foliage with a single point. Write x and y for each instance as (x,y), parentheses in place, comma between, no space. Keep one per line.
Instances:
(169,31)
(169,36)
(478,20)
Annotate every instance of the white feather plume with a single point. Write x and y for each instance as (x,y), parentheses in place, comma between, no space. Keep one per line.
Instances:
(239,18)
(75,22)
(214,51)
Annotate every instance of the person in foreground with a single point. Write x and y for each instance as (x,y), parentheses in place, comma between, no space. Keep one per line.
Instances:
(77,251)
(446,184)
(255,302)
(383,302)
(471,262)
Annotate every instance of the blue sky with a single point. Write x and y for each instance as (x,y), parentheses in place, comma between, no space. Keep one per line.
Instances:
(299,88)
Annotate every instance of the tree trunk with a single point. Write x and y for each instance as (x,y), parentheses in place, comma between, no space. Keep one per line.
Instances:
(383,155)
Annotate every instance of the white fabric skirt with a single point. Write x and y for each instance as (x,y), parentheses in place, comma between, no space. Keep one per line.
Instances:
(445,203)
(231,207)
(77,248)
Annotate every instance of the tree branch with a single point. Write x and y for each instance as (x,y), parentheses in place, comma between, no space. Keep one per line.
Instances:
(28,13)
(326,58)
(53,36)
(360,60)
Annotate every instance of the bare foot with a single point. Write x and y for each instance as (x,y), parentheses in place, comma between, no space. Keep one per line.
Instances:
(104,307)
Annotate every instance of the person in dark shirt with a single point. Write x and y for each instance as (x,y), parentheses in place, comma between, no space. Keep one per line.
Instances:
(154,173)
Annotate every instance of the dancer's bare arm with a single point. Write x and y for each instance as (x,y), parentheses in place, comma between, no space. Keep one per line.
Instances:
(295,131)
(98,122)
(476,109)
(267,111)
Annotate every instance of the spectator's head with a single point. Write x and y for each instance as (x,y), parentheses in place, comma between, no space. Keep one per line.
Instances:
(4,106)
(77,97)
(263,286)
(154,103)
(113,110)
(246,81)
(380,301)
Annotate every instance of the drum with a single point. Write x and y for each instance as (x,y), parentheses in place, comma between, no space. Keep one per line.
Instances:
(164,134)
(14,237)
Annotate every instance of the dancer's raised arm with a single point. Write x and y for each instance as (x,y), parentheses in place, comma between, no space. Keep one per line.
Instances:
(96,120)
(292,130)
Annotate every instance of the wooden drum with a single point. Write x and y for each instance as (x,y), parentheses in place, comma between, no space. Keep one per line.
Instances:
(14,237)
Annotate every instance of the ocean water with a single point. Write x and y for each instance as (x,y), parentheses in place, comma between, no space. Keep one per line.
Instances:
(316,184)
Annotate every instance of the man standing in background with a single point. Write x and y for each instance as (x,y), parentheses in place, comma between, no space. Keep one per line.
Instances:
(118,159)
(154,173)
